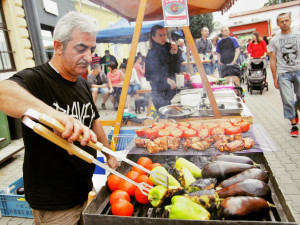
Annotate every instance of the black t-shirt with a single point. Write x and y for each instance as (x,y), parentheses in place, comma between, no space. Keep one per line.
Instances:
(53,179)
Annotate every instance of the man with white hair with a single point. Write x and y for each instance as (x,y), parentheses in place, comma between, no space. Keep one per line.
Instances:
(180,43)
(57,183)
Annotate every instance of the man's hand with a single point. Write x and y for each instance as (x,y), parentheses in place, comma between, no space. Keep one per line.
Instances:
(174,48)
(112,162)
(276,83)
(111,90)
(172,83)
(74,128)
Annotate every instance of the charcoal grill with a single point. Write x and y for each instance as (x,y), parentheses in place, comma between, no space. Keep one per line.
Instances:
(99,210)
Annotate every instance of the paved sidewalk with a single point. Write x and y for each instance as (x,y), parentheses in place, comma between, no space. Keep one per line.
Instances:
(266,109)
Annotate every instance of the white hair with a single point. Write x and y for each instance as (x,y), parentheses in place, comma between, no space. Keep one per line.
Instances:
(74,20)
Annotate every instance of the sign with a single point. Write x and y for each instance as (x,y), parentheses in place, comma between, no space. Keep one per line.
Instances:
(50,7)
(175,13)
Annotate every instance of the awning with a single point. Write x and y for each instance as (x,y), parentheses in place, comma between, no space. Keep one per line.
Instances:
(122,32)
(128,9)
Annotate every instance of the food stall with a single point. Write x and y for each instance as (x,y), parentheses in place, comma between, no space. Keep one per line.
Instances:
(197,148)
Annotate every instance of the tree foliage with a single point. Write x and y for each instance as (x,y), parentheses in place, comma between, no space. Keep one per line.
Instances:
(199,21)
(275,2)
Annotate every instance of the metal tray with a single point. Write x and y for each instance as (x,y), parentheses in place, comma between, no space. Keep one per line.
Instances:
(177,111)
(226,109)
(223,100)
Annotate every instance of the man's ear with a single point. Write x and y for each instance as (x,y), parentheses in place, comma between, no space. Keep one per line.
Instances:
(58,47)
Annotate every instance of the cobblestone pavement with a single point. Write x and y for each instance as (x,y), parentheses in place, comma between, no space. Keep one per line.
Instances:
(266,110)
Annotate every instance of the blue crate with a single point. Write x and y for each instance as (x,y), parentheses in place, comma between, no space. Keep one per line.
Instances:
(98,169)
(124,138)
(13,204)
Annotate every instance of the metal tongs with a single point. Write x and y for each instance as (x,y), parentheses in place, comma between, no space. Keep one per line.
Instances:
(29,118)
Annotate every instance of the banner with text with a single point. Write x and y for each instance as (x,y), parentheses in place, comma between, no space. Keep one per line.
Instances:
(175,13)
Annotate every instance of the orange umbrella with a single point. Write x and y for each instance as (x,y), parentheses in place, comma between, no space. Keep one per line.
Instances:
(129,8)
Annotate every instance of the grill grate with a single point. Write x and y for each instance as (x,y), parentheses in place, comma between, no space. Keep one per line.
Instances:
(145,214)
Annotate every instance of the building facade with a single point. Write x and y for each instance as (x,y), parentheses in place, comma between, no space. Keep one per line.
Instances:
(263,20)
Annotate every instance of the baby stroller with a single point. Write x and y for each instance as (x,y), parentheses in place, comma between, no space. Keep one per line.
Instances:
(257,75)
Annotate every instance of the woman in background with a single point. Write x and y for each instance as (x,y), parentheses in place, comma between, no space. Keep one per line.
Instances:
(140,69)
(115,80)
(257,48)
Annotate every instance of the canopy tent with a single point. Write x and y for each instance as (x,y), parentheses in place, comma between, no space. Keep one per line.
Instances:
(139,10)
(121,32)
(153,10)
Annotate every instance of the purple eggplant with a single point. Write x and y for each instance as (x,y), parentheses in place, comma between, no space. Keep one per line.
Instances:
(233,158)
(223,170)
(248,187)
(242,207)
(253,173)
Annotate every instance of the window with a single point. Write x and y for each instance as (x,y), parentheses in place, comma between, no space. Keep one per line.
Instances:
(6,54)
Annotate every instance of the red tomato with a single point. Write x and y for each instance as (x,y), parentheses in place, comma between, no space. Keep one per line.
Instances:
(245,126)
(151,134)
(118,194)
(196,126)
(145,162)
(139,196)
(141,132)
(154,165)
(133,175)
(233,130)
(141,172)
(183,128)
(171,125)
(225,124)
(234,121)
(186,124)
(113,182)
(128,187)
(177,133)
(164,132)
(217,130)
(122,207)
(158,125)
(189,133)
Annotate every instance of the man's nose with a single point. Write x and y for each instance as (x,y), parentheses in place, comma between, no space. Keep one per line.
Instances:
(88,55)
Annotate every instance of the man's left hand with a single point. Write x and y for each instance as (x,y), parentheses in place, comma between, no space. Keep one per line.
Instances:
(112,162)
(174,48)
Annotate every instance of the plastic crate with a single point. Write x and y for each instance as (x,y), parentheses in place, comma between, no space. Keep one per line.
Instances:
(13,204)
(122,140)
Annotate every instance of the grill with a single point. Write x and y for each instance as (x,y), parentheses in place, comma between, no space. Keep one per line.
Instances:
(99,210)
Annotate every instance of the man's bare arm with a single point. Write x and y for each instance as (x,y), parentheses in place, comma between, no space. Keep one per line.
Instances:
(15,100)
(273,62)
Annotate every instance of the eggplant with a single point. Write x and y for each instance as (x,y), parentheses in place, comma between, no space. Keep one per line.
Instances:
(243,207)
(233,158)
(223,170)
(248,187)
(201,184)
(253,173)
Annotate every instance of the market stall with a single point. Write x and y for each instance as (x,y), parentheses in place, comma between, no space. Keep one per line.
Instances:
(195,138)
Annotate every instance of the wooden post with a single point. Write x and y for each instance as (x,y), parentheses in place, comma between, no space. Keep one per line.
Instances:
(201,70)
(132,53)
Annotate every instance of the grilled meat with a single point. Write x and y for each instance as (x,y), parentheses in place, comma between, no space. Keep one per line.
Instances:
(203,133)
(152,147)
(174,143)
(142,143)
(248,142)
(162,142)
(235,137)
(233,146)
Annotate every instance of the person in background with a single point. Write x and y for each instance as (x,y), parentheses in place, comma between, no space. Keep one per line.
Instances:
(140,69)
(97,81)
(115,80)
(248,42)
(204,47)
(163,60)
(243,51)
(134,85)
(227,50)
(257,48)
(216,65)
(106,59)
(285,66)
(95,60)
(267,43)
(182,47)
(57,183)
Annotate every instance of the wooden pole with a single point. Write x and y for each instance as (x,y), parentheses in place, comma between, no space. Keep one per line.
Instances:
(132,53)
(201,70)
